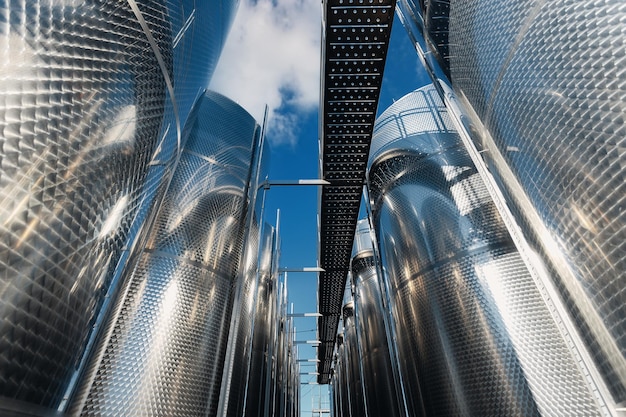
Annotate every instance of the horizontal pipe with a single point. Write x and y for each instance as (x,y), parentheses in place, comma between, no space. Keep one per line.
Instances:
(305,269)
(269,183)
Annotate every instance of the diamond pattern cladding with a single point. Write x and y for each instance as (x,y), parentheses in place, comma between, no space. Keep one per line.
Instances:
(165,355)
(355,49)
(474,331)
(77,132)
(548,81)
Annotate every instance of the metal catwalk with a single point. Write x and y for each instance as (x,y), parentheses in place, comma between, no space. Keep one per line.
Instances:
(356,38)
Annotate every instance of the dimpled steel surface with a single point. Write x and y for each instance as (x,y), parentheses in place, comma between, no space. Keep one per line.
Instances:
(379,386)
(260,362)
(246,310)
(471,324)
(547,80)
(165,355)
(89,136)
(81,104)
(354,380)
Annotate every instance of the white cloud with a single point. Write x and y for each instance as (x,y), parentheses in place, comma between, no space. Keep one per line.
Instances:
(272,56)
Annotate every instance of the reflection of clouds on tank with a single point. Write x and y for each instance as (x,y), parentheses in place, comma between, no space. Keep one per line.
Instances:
(18,70)
(458,286)
(121,130)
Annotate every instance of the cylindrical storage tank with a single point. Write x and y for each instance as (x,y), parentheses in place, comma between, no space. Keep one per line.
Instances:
(332,389)
(545,81)
(382,395)
(352,359)
(475,335)
(279,390)
(281,354)
(238,359)
(293,377)
(244,308)
(270,381)
(342,385)
(261,339)
(79,129)
(84,115)
(165,351)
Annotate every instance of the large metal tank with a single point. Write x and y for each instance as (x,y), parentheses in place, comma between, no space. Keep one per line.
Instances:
(354,380)
(343,404)
(285,383)
(280,347)
(332,390)
(543,85)
(475,334)
(293,378)
(382,394)
(260,363)
(89,138)
(165,352)
(271,382)
(242,322)
(287,374)
(238,359)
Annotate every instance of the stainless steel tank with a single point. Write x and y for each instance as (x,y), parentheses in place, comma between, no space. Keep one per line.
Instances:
(287,376)
(383,395)
(544,92)
(242,329)
(343,404)
(332,389)
(293,378)
(280,358)
(91,129)
(354,380)
(165,352)
(260,363)
(271,380)
(475,333)
(238,358)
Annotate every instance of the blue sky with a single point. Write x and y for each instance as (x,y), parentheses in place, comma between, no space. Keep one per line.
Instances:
(272,57)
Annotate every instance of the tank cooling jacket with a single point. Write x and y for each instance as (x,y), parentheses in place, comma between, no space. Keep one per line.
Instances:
(546,81)
(90,132)
(379,384)
(471,325)
(166,351)
(260,364)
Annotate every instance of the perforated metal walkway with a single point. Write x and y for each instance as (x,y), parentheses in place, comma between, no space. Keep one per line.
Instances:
(354,52)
